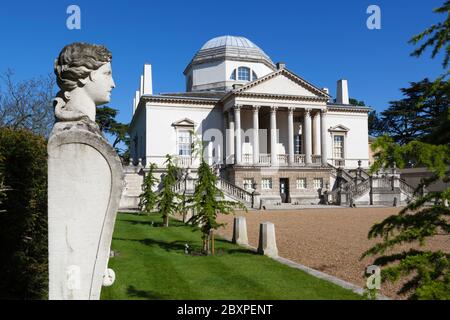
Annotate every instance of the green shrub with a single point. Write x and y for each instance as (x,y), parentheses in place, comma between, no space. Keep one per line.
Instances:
(23,215)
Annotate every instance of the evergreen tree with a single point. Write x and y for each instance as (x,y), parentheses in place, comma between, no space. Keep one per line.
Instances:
(207,202)
(168,199)
(149,197)
(429,271)
(423,110)
(416,222)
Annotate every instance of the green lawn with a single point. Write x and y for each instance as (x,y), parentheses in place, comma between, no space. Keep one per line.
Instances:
(151,264)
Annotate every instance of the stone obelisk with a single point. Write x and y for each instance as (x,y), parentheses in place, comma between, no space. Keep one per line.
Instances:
(85,177)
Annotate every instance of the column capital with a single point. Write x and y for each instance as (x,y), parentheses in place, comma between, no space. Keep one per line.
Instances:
(323,111)
(308,112)
(291,110)
(273,109)
(256,108)
(237,107)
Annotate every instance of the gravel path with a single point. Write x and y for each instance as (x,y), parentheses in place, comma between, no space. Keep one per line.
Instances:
(329,240)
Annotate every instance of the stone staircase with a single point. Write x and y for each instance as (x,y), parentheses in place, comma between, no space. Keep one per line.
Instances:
(358,187)
(231,192)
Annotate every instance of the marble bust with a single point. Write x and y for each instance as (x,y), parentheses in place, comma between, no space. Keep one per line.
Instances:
(85,176)
(84,76)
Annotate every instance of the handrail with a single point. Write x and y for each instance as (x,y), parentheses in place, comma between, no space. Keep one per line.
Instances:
(405,187)
(234,190)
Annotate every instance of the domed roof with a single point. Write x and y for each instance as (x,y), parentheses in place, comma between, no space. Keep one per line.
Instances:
(231,48)
(230,41)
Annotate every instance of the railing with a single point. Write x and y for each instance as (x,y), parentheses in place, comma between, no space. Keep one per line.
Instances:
(283,158)
(316,159)
(406,188)
(183,161)
(247,158)
(234,191)
(361,188)
(339,162)
(299,159)
(264,158)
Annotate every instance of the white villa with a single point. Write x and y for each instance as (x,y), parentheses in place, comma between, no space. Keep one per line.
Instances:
(267,129)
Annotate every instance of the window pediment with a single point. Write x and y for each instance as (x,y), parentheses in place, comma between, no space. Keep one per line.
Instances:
(184,123)
(339,128)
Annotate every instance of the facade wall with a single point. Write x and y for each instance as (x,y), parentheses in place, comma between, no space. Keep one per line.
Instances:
(138,136)
(218,74)
(356,139)
(162,136)
(309,195)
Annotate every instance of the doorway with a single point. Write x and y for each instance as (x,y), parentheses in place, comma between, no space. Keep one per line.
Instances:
(284,190)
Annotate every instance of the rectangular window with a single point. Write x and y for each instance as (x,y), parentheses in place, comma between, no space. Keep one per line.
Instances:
(318,183)
(301,183)
(338,147)
(248,184)
(266,184)
(184,143)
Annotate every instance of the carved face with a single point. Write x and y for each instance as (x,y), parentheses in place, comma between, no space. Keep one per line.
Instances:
(100,85)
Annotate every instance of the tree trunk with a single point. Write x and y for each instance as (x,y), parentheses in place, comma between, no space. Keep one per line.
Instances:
(211,239)
(166,221)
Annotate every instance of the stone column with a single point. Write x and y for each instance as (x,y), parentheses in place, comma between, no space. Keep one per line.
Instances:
(273,136)
(238,146)
(256,134)
(316,133)
(291,135)
(240,231)
(230,137)
(307,134)
(267,241)
(323,132)
(224,137)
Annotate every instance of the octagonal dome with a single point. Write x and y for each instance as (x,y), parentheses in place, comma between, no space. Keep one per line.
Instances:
(231,48)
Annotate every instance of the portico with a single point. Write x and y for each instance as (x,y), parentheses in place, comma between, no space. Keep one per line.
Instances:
(273,135)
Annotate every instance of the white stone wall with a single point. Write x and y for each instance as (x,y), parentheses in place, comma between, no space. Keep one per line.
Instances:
(356,140)
(209,75)
(162,136)
(138,129)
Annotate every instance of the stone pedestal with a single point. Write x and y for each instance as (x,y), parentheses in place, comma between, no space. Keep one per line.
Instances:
(267,241)
(240,231)
(85,182)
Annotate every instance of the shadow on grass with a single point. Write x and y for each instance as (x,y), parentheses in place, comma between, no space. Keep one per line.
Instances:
(168,246)
(135,293)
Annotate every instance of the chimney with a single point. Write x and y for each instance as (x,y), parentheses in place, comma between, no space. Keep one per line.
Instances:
(134,105)
(342,92)
(137,99)
(281,65)
(147,84)
(141,86)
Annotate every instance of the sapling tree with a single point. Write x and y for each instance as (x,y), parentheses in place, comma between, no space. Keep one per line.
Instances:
(149,197)
(168,198)
(208,202)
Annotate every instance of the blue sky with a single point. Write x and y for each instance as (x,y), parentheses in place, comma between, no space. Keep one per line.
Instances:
(322,41)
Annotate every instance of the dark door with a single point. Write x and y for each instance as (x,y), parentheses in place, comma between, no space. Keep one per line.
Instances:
(284,190)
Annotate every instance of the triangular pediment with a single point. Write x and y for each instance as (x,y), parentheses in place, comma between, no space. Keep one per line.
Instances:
(283,82)
(184,123)
(339,128)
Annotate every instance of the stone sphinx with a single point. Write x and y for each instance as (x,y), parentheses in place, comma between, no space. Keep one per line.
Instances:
(85,176)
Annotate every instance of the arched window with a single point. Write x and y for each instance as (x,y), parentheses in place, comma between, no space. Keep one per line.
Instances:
(254,76)
(244,73)
(233,75)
